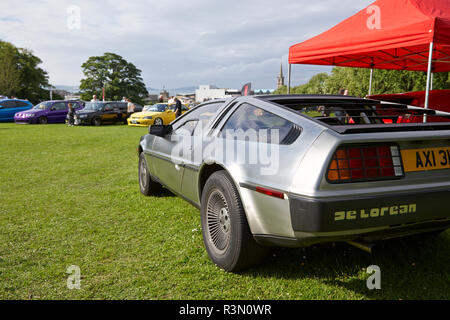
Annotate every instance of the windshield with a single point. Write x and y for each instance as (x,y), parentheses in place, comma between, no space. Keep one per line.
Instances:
(93,106)
(42,106)
(156,107)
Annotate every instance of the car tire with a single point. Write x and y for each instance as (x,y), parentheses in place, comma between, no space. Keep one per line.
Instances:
(97,121)
(147,186)
(158,122)
(42,120)
(226,233)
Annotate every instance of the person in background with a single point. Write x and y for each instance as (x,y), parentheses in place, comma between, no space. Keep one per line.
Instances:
(71,115)
(130,108)
(171,100)
(177,107)
(123,99)
(94,98)
(343,92)
(340,115)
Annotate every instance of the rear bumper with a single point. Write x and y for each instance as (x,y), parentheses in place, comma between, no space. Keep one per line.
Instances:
(369,218)
(353,213)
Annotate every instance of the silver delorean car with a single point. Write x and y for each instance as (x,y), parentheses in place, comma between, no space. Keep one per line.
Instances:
(296,170)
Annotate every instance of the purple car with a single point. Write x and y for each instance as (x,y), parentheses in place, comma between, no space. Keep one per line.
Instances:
(47,112)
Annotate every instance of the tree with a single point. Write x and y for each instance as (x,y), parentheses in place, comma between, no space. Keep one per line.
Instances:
(9,75)
(20,74)
(119,77)
(356,81)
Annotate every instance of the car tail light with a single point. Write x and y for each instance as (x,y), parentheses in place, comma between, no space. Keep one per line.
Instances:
(365,163)
(270,192)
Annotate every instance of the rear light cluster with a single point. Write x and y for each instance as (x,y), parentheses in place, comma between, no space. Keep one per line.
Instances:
(365,163)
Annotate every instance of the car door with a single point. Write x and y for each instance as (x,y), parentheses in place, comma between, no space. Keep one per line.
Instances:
(109,114)
(57,112)
(121,112)
(9,108)
(167,158)
(3,110)
(174,154)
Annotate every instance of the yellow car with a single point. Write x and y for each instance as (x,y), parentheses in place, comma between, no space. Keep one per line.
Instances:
(160,113)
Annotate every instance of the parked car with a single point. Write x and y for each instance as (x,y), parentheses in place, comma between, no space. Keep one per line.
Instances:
(274,171)
(54,111)
(102,112)
(160,113)
(9,107)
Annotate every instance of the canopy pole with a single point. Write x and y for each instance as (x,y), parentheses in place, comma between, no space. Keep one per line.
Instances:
(429,75)
(289,80)
(370,81)
(432,79)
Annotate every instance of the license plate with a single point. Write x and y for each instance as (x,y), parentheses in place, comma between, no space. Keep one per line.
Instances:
(134,121)
(426,159)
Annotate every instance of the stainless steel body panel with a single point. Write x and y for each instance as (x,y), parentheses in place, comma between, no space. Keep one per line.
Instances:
(300,169)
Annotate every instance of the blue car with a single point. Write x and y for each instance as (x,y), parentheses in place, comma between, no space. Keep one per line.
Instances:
(9,107)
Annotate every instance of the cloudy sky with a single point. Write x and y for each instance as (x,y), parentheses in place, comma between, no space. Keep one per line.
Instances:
(174,43)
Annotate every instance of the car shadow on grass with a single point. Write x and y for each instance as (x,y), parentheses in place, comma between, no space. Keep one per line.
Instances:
(416,267)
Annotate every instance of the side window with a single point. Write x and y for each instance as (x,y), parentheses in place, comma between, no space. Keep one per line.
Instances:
(203,113)
(108,107)
(255,124)
(187,128)
(59,106)
(9,104)
(21,104)
(122,106)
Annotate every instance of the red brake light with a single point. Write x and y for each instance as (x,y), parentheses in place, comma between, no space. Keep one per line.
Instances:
(365,163)
(269,192)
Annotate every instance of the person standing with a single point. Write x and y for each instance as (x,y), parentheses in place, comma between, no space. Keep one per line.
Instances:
(94,98)
(130,108)
(71,115)
(178,107)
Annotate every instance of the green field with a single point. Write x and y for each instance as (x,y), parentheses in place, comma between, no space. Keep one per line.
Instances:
(70,196)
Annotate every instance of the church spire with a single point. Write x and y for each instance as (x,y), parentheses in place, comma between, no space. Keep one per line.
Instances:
(280,77)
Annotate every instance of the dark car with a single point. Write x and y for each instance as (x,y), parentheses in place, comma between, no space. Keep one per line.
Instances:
(9,107)
(47,112)
(102,112)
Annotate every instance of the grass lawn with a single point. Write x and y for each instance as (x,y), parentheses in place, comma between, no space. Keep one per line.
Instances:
(70,196)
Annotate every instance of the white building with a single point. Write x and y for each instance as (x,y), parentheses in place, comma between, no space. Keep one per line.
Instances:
(209,92)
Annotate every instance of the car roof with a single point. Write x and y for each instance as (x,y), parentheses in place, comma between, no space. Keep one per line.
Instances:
(314,98)
(9,99)
(105,101)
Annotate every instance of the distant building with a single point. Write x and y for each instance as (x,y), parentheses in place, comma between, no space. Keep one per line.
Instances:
(72,97)
(209,92)
(280,77)
(151,99)
(164,94)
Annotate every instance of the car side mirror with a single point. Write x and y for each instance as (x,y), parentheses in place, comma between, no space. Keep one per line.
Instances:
(169,110)
(160,130)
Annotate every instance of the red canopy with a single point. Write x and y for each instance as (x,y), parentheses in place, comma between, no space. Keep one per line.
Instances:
(389,34)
